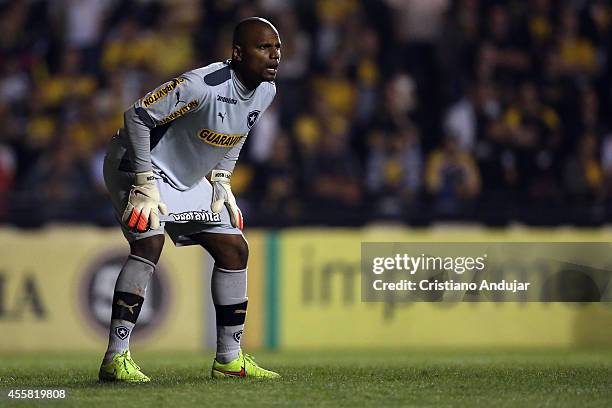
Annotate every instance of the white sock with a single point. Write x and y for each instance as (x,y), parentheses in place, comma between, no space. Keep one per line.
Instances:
(128,298)
(118,338)
(228,342)
(229,288)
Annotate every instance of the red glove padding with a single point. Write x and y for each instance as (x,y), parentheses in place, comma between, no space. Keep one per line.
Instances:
(143,204)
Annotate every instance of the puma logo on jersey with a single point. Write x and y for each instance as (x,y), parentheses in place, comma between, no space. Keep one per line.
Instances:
(222,116)
(178,98)
(120,302)
(225,99)
(219,139)
(162,92)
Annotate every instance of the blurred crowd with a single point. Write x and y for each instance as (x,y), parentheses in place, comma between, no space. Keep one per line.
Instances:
(397,110)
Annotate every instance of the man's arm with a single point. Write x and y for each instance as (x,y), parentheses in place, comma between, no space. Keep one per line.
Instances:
(222,191)
(221,174)
(163,105)
(138,136)
(228,162)
(166,103)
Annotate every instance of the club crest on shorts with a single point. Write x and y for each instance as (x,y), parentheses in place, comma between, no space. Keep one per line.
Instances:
(122,332)
(237,335)
(252,118)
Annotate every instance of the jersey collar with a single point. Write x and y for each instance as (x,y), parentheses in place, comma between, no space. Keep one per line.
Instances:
(241,90)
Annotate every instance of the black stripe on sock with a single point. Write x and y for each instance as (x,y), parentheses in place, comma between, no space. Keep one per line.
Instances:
(231,315)
(126,306)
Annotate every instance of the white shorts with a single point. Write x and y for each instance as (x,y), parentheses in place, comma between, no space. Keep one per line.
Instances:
(185,203)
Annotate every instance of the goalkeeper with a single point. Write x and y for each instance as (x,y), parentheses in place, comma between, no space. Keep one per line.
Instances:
(175,154)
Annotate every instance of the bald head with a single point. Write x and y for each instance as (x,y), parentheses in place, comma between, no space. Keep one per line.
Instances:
(256,51)
(245,29)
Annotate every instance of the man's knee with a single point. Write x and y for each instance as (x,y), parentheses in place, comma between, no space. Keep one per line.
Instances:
(233,252)
(148,248)
(242,250)
(229,251)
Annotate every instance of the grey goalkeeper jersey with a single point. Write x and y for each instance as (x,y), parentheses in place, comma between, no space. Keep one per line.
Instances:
(191,125)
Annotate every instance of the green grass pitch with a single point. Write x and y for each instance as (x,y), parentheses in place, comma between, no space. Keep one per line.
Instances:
(331,379)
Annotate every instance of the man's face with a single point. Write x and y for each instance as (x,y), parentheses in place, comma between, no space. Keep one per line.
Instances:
(260,54)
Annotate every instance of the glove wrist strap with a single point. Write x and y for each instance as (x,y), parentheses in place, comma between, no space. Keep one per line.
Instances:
(220,175)
(146,177)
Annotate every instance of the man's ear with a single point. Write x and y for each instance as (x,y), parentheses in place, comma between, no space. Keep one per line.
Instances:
(236,53)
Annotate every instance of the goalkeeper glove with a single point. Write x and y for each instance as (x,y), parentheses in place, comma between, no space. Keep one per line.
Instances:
(143,203)
(222,194)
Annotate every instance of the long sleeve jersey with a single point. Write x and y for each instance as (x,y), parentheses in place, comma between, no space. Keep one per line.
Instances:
(191,125)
